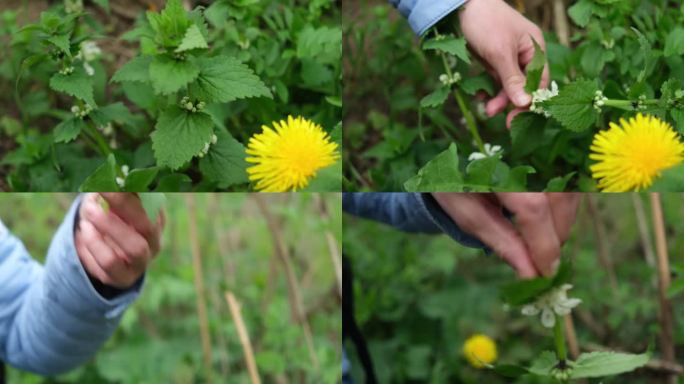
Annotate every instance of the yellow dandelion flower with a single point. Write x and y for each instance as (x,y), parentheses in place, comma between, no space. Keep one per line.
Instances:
(289,156)
(479,350)
(631,155)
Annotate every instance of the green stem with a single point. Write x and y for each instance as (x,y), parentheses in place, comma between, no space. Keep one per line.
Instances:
(628,104)
(559,336)
(100,140)
(465,111)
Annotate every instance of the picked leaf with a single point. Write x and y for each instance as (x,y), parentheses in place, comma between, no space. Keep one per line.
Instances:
(574,105)
(535,68)
(522,292)
(152,203)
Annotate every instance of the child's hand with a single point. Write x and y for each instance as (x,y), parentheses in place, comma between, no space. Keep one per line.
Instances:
(116,244)
(502,37)
(531,242)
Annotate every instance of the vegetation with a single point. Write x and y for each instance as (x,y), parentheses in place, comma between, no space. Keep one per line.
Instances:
(217,246)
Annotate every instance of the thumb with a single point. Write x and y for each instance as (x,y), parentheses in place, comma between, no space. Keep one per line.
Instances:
(513,81)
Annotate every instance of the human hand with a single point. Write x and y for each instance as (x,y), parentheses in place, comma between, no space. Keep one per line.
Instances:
(531,242)
(502,38)
(116,245)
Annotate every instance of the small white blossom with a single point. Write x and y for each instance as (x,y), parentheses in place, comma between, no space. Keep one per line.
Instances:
(107,130)
(120,182)
(449,80)
(214,139)
(73,6)
(555,302)
(125,169)
(599,100)
(490,151)
(90,51)
(89,68)
(542,95)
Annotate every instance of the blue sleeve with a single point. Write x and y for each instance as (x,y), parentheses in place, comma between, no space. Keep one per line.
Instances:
(51,318)
(423,14)
(409,212)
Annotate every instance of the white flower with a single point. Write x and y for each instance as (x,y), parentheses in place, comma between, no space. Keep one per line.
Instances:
(90,50)
(125,169)
(490,151)
(214,139)
(107,130)
(555,302)
(542,95)
(89,68)
(73,6)
(120,182)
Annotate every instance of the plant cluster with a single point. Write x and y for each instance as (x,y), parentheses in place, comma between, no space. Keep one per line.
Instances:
(177,116)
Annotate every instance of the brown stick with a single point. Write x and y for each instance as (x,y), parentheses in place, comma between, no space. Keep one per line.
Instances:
(560,20)
(199,283)
(603,251)
(244,337)
(644,234)
(666,334)
(573,346)
(294,293)
(334,251)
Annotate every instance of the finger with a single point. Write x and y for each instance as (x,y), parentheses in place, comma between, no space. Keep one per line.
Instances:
(497,104)
(564,212)
(115,267)
(134,247)
(129,208)
(513,80)
(546,78)
(512,114)
(90,265)
(476,216)
(535,224)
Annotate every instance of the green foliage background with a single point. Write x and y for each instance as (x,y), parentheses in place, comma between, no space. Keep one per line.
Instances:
(158,340)
(419,297)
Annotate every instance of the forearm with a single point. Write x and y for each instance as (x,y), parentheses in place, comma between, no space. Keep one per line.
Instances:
(55,319)
(423,14)
(409,212)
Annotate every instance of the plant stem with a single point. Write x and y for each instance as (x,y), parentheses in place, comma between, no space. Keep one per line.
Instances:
(465,111)
(628,104)
(99,140)
(559,336)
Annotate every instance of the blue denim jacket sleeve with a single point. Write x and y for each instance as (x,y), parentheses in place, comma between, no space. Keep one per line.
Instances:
(423,14)
(409,212)
(51,318)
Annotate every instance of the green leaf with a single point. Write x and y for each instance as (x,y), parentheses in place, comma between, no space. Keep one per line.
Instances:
(510,370)
(574,105)
(581,12)
(558,184)
(599,364)
(674,43)
(323,45)
(169,75)
(328,179)
(521,292)
(223,79)
(542,365)
(193,40)
(77,84)
(439,174)
(139,180)
(452,45)
(103,179)
(535,68)
(136,70)
(68,130)
(436,98)
(678,119)
(170,25)
(472,84)
(104,4)
(180,135)
(225,163)
(676,288)
(526,130)
(152,203)
(671,180)
(62,42)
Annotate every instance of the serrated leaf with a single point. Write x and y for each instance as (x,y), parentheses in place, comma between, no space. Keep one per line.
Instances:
(472,84)
(103,179)
(139,180)
(62,42)
(223,79)
(136,70)
(535,68)
(170,25)
(599,364)
(581,12)
(436,98)
(68,130)
(542,365)
(674,43)
(526,129)
(452,45)
(180,135)
(169,75)
(152,203)
(77,84)
(225,163)
(574,105)
(439,174)
(193,40)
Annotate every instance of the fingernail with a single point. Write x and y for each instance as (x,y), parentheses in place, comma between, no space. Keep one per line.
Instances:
(523,99)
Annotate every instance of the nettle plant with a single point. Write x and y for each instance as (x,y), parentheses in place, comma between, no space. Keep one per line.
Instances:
(624,73)
(184,84)
(547,299)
